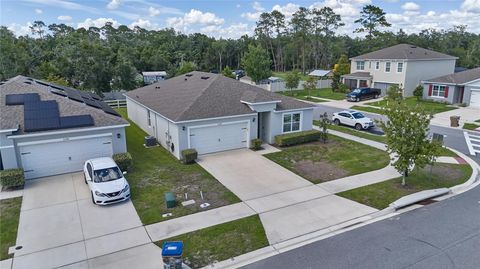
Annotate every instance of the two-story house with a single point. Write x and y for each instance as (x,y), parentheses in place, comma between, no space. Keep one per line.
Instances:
(403,64)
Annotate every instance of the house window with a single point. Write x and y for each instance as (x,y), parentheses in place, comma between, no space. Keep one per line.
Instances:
(291,122)
(360,65)
(387,67)
(399,67)
(438,90)
(148,118)
(377,65)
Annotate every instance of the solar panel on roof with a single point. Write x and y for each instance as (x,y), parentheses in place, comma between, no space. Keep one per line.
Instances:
(91,102)
(41,124)
(76,121)
(95,96)
(74,95)
(42,83)
(108,109)
(49,104)
(20,99)
(40,114)
(57,92)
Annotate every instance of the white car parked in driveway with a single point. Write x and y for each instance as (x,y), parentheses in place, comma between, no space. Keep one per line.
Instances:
(352,118)
(106,182)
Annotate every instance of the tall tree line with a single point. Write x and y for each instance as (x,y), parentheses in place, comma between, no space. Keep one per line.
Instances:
(108,58)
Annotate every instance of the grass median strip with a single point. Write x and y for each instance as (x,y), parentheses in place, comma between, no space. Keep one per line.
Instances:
(470,126)
(368,109)
(431,106)
(155,171)
(351,131)
(221,242)
(319,162)
(380,195)
(9,217)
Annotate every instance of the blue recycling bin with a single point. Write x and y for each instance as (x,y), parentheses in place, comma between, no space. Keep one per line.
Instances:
(172,255)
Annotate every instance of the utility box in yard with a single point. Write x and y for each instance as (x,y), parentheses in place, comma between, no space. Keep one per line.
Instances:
(170,200)
(172,255)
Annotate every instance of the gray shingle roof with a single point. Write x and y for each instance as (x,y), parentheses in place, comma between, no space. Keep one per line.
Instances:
(189,97)
(404,52)
(12,116)
(458,78)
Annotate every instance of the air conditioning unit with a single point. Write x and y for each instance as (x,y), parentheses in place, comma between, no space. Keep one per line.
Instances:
(150,141)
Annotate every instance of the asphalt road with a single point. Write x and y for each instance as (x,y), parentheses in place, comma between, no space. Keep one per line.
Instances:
(441,235)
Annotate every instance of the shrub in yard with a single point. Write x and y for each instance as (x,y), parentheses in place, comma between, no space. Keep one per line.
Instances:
(256,144)
(123,160)
(189,156)
(11,178)
(297,138)
(418,92)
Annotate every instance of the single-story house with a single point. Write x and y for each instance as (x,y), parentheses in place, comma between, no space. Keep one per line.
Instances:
(457,88)
(114,95)
(153,76)
(322,74)
(211,113)
(48,129)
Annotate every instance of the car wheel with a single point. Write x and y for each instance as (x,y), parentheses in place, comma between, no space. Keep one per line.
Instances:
(358,126)
(336,122)
(357,99)
(93,199)
(376,96)
(85,178)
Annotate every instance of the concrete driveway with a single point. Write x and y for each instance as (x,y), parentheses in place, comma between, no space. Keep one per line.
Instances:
(467,114)
(60,225)
(250,175)
(289,205)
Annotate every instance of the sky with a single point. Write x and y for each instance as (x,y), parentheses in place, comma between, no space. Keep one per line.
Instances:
(230,18)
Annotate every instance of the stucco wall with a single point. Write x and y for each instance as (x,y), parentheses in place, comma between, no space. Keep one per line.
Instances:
(380,75)
(7,150)
(424,70)
(451,94)
(138,114)
(276,122)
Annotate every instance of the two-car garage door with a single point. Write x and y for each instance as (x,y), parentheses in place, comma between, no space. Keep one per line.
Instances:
(214,138)
(475,98)
(58,157)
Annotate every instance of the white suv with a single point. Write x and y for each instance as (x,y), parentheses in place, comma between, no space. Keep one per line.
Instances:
(106,182)
(352,118)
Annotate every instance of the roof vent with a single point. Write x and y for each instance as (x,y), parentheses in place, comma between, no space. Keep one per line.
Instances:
(189,75)
(185,79)
(413,47)
(27,82)
(157,87)
(205,77)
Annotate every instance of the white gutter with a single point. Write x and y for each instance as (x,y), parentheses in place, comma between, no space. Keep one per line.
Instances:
(8,130)
(69,131)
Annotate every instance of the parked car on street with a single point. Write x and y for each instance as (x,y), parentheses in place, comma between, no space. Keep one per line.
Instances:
(363,93)
(352,118)
(106,182)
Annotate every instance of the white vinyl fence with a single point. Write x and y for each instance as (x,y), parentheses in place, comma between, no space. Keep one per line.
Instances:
(280,86)
(116,103)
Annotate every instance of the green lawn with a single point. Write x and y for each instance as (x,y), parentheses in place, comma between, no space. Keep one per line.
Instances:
(283,75)
(9,215)
(470,126)
(321,93)
(310,99)
(351,131)
(433,107)
(380,195)
(155,171)
(319,162)
(378,138)
(368,109)
(221,242)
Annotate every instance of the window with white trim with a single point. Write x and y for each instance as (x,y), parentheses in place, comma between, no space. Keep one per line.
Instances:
(387,67)
(291,122)
(377,65)
(360,65)
(438,90)
(149,120)
(399,67)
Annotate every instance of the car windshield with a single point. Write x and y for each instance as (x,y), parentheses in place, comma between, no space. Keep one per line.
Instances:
(107,174)
(358,115)
(356,91)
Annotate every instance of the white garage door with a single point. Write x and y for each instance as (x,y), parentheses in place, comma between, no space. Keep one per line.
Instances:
(47,159)
(475,99)
(218,138)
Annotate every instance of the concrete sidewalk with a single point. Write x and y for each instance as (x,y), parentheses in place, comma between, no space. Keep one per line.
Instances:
(467,114)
